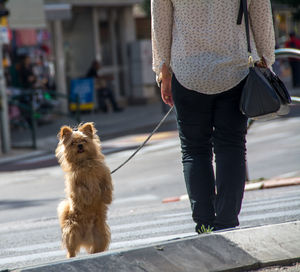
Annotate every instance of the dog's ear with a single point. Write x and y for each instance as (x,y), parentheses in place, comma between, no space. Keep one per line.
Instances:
(65,132)
(88,129)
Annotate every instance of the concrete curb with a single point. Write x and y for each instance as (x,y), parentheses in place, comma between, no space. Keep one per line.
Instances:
(234,250)
(267,184)
(26,155)
(272,183)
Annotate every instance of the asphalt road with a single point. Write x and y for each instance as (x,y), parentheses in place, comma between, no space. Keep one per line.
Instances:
(29,231)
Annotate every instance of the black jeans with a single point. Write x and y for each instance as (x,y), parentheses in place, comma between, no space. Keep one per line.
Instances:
(207,124)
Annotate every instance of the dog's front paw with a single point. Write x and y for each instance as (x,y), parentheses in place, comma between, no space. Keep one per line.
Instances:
(70,255)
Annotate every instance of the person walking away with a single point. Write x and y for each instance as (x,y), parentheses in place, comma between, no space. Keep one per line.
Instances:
(201,62)
(27,81)
(294,42)
(103,92)
(27,77)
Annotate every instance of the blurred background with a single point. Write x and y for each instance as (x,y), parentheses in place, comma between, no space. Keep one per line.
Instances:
(62,57)
(68,61)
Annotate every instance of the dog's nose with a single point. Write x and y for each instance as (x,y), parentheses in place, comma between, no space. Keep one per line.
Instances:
(80,146)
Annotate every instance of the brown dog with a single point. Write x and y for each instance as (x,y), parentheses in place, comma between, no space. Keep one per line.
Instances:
(88,186)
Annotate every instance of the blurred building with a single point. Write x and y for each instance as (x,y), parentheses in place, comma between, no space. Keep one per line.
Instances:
(76,32)
(73,33)
(284,23)
(101,29)
(86,30)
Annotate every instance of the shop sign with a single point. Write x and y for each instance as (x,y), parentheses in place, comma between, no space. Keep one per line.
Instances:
(3,21)
(82,89)
(26,14)
(58,11)
(4,35)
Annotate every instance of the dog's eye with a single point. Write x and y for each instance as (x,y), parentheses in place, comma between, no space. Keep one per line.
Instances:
(85,141)
(72,143)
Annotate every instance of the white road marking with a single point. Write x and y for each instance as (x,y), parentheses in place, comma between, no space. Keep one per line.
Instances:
(163,227)
(139,198)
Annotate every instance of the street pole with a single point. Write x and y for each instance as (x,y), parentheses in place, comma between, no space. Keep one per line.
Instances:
(5,129)
(60,64)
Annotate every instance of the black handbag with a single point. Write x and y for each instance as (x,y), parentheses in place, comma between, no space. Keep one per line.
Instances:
(264,96)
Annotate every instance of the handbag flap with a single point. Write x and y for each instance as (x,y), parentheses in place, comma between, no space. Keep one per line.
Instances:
(258,96)
(278,85)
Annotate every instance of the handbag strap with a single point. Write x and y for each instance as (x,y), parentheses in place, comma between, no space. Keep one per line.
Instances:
(244,11)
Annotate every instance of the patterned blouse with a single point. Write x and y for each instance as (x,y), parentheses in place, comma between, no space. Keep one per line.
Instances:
(200,41)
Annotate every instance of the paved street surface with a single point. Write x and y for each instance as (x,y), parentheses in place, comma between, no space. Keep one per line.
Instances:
(29,231)
(274,148)
(37,241)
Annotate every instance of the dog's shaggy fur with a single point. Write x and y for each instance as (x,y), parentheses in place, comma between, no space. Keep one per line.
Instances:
(88,186)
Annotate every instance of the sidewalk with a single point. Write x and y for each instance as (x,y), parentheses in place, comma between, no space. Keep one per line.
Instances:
(235,250)
(134,119)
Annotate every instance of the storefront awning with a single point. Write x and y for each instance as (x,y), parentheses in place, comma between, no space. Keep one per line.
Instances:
(26,14)
(58,11)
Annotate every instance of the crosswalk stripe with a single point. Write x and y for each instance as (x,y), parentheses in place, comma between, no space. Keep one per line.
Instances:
(31,257)
(145,241)
(28,225)
(275,205)
(34,247)
(291,197)
(269,215)
(184,214)
(138,198)
(151,223)
(153,230)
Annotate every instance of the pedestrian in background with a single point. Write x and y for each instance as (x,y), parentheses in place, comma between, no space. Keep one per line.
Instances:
(201,61)
(26,74)
(294,42)
(27,81)
(103,92)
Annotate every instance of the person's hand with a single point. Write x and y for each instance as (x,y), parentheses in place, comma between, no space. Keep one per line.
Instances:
(166,93)
(262,63)
(165,87)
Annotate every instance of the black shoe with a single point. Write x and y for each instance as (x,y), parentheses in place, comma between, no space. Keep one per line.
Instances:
(118,109)
(104,109)
(223,228)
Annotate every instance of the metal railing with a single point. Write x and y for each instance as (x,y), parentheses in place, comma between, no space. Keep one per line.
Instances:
(289,53)
(30,114)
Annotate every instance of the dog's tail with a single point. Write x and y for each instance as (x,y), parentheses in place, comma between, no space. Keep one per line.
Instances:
(69,228)
(63,211)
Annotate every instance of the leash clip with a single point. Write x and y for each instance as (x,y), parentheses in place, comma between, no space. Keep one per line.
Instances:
(250,61)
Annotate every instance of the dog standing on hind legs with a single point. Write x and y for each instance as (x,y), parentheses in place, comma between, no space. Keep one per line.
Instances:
(88,186)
